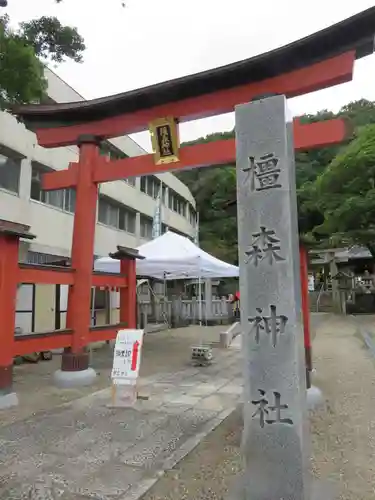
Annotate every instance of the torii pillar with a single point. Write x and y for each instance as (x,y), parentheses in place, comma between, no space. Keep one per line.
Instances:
(75,370)
(128,294)
(10,234)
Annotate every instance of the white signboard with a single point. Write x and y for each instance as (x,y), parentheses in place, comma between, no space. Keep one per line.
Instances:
(127,357)
(311,283)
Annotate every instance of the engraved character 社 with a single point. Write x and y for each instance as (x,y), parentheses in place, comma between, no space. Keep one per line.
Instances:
(265,246)
(264,409)
(273,325)
(263,172)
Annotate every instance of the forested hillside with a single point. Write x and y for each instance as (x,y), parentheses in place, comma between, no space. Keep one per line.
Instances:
(336,189)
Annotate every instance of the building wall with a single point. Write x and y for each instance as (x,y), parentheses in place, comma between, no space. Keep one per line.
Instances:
(52,225)
(22,161)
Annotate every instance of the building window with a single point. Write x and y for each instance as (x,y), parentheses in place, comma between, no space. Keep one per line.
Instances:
(164,194)
(116,215)
(130,181)
(151,185)
(192,215)
(43,258)
(146,227)
(65,199)
(10,170)
(108,149)
(176,202)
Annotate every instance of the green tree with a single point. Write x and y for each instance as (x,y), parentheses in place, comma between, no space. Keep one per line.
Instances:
(218,225)
(345,192)
(23,51)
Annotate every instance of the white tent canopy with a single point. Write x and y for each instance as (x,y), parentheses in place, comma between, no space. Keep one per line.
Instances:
(172,256)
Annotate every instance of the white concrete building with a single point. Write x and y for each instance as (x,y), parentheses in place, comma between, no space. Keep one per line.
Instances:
(125,208)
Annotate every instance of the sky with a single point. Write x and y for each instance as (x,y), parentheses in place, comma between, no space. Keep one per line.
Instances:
(150,41)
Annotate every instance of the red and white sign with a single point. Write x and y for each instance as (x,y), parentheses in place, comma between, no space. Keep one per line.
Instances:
(127,356)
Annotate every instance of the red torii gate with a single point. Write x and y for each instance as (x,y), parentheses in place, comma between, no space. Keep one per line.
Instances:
(313,63)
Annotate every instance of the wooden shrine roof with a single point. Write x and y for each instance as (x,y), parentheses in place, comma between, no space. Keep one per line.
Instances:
(126,253)
(355,33)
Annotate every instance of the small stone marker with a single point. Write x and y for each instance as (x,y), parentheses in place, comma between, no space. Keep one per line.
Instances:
(125,369)
(276,438)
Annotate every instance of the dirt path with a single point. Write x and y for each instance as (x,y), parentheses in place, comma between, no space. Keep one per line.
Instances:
(343,433)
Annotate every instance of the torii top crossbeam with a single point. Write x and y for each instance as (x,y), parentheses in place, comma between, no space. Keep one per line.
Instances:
(318,61)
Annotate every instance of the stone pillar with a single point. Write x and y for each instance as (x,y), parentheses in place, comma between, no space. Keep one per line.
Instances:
(276,436)
(208,310)
(336,301)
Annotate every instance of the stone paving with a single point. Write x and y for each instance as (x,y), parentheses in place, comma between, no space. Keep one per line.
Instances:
(86,450)
(162,352)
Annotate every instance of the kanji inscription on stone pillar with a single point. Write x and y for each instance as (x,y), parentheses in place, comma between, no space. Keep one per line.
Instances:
(276,439)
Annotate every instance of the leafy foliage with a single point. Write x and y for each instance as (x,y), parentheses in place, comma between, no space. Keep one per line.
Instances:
(346,193)
(21,73)
(50,39)
(21,51)
(335,188)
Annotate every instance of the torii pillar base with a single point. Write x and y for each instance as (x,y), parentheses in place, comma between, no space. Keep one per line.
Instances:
(70,380)
(75,371)
(8,398)
(315,398)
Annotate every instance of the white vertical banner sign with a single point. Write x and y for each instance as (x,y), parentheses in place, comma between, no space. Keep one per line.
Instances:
(125,368)
(156,222)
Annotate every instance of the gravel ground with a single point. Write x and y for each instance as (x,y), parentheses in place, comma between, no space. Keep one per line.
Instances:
(343,433)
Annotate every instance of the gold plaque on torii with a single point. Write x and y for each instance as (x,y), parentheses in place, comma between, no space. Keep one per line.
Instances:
(165,140)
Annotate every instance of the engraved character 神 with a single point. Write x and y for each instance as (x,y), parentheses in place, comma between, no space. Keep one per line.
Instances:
(257,325)
(274,325)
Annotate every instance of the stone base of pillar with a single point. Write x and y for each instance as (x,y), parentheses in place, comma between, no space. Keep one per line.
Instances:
(8,398)
(320,490)
(315,398)
(68,380)
(75,371)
